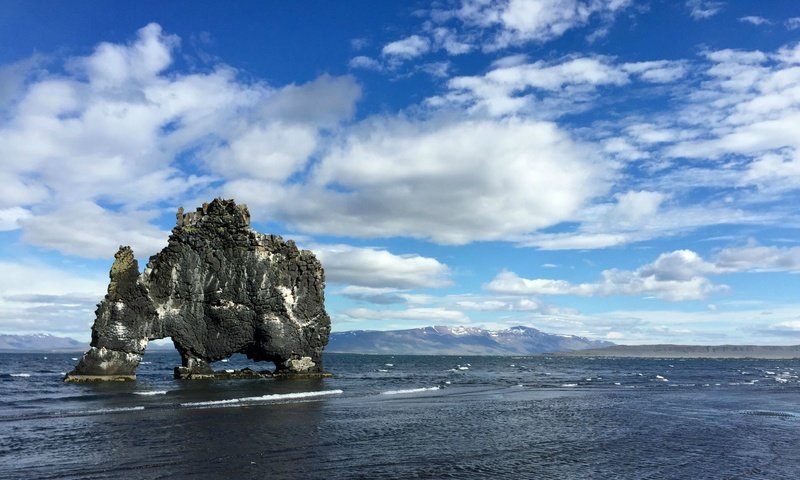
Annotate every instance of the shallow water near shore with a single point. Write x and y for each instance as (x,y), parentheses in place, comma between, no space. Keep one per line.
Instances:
(408,417)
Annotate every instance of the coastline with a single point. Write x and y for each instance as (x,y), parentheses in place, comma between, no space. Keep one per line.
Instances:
(766,352)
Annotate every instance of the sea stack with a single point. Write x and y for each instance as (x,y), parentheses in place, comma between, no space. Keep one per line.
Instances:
(216,289)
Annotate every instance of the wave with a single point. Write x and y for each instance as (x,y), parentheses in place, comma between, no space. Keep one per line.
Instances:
(263,398)
(25,375)
(410,390)
(152,392)
(111,410)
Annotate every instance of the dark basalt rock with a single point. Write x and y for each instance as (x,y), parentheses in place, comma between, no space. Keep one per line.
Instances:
(218,288)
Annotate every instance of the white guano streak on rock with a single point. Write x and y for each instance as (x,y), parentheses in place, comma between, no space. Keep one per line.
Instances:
(120,330)
(290,300)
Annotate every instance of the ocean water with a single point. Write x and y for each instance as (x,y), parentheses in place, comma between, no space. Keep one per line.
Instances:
(408,417)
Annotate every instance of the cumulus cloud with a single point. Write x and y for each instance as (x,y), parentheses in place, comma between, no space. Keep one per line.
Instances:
(450,181)
(88,230)
(117,134)
(375,268)
(10,217)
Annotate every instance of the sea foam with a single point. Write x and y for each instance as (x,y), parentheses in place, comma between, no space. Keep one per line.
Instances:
(111,410)
(263,398)
(410,390)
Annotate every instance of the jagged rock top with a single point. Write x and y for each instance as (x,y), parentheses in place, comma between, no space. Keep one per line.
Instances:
(234,215)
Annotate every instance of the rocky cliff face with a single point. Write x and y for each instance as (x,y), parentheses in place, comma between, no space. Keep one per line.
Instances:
(218,288)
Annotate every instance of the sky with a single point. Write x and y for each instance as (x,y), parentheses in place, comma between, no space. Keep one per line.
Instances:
(626,170)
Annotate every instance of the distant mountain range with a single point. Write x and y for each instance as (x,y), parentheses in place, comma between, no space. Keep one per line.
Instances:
(39,342)
(415,341)
(461,341)
(457,341)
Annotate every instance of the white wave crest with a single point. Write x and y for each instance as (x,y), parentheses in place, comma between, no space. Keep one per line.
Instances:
(25,375)
(263,398)
(153,392)
(112,410)
(410,390)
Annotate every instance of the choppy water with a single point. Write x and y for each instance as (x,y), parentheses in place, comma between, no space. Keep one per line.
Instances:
(408,417)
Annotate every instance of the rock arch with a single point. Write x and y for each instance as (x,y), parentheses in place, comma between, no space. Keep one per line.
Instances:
(217,288)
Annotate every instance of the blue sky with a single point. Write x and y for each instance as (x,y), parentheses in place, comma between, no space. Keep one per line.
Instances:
(621,169)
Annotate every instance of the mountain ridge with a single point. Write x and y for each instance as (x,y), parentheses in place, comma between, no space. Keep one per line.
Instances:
(443,340)
(39,342)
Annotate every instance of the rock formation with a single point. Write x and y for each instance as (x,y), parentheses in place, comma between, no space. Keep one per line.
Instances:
(216,289)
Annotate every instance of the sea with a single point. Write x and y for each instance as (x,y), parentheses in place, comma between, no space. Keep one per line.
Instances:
(407,417)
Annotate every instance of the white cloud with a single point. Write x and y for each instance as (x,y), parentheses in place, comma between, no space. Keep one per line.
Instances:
(514,22)
(577,240)
(448,40)
(35,297)
(383,295)
(13,77)
(641,215)
(453,182)
(269,152)
(674,276)
(367,63)
(10,217)
(514,85)
(407,48)
(517,305)
(726,325)
(702,9)
(634,207)
(111,65)
(747,105)
(739,126)
(118,130)
(87,230)
(657,71)
(323,102)
(758,258)
(755,20)
(792,23)
(436,315)
(371,267)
